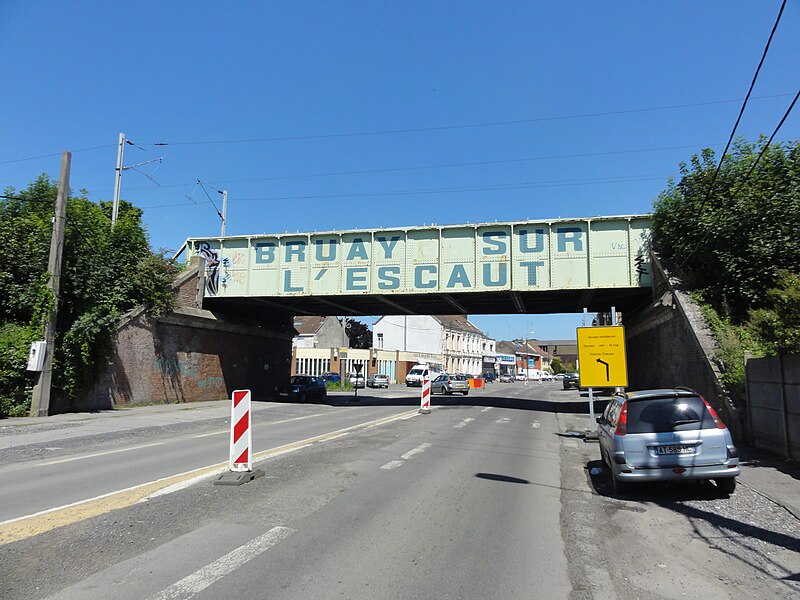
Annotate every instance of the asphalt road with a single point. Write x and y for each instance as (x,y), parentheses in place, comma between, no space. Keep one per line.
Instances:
(489,496)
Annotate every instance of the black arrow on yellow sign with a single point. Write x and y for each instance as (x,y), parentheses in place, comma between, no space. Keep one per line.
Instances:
(608,375)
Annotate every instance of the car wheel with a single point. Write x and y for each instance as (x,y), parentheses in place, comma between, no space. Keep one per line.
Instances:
(448,391)
(465,392)
(726,485)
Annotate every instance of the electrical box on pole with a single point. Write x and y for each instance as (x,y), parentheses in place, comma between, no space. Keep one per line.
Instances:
(36,355)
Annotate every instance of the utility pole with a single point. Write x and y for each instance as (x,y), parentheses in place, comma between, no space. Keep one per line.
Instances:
(118,179)
(224,210)
(40,401)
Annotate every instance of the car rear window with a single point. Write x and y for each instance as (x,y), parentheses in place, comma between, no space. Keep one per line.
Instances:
(657,415)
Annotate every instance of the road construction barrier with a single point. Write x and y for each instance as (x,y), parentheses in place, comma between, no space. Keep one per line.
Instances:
(477,382)
(425,397)
(241,456)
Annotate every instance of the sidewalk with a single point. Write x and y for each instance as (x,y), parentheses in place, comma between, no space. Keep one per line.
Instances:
(771,476)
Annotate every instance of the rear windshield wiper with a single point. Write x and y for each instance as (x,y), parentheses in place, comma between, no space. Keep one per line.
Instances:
(684,422)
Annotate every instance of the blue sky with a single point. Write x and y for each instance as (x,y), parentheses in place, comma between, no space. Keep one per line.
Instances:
(340,115)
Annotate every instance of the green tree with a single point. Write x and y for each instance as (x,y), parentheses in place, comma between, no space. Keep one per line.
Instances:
(360,335)
(105,272)
(778,327)
(730,246)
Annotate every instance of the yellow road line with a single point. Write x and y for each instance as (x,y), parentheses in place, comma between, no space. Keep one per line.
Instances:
(27,526)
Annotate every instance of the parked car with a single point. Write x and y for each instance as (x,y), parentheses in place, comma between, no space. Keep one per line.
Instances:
(506,378)
(489,376)
(558,376)
(303,388)
(420,372)
(357,380)
(330,377)
(447,384)
(571,381)
(378,380)
(666,435)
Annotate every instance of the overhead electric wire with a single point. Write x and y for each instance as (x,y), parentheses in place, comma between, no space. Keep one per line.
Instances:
(209,198)
(741,112)
(452,127)
(733,132)
(425,167)
(769,141)
(16,160)
(496,187)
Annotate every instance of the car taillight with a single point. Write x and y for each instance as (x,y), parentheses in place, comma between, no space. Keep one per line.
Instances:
(717,421)
(622,423)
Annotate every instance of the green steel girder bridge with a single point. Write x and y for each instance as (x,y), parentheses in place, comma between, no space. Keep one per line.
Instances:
(528,267)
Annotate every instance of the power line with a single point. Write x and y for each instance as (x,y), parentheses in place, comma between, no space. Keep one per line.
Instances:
(769,141)
(434,166)
(741,112)
(453,127)
(496,187)
(730,139)
(16,160)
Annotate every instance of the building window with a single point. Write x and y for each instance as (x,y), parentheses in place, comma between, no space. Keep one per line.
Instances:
(379,340)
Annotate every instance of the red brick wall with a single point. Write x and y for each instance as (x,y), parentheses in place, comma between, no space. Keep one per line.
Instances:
(191,355)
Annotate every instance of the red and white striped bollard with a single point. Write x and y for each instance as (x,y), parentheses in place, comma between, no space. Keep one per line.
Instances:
(241,457)
(425,397)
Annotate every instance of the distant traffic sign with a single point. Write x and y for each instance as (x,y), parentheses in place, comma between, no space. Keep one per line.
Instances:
(601,357)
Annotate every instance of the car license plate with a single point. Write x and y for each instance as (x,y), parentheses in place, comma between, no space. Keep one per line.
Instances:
(283,394)
(674,449)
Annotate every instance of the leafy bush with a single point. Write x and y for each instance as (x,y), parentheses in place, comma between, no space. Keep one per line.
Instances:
(105,272)
(738,248)
(779,326)
(15,342)
(732,244)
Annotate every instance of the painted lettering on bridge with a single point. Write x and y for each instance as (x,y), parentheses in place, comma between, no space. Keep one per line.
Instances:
(559,254)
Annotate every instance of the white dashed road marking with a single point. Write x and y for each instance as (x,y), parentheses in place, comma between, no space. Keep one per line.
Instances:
(195,583)
(487,409)
(536,424)
(417,450)
(503,420)
(464,423)
(393,464)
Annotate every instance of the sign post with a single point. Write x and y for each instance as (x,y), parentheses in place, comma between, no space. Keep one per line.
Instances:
(357,368)
(602,361)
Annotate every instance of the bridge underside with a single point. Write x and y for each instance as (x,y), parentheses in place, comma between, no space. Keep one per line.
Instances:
(479,303)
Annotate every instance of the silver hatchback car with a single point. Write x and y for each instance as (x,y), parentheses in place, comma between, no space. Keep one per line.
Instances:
(447,384)
(666,435)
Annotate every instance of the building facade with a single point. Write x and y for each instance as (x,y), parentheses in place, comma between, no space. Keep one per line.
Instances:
(462,347)
(319,332)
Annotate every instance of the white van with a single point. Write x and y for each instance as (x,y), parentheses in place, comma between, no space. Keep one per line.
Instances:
(420,372)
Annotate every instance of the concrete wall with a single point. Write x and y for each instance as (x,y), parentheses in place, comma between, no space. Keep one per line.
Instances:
(190,355)
(773,404)
(668,344)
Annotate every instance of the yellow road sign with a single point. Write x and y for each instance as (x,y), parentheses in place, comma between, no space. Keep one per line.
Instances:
(601,357)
